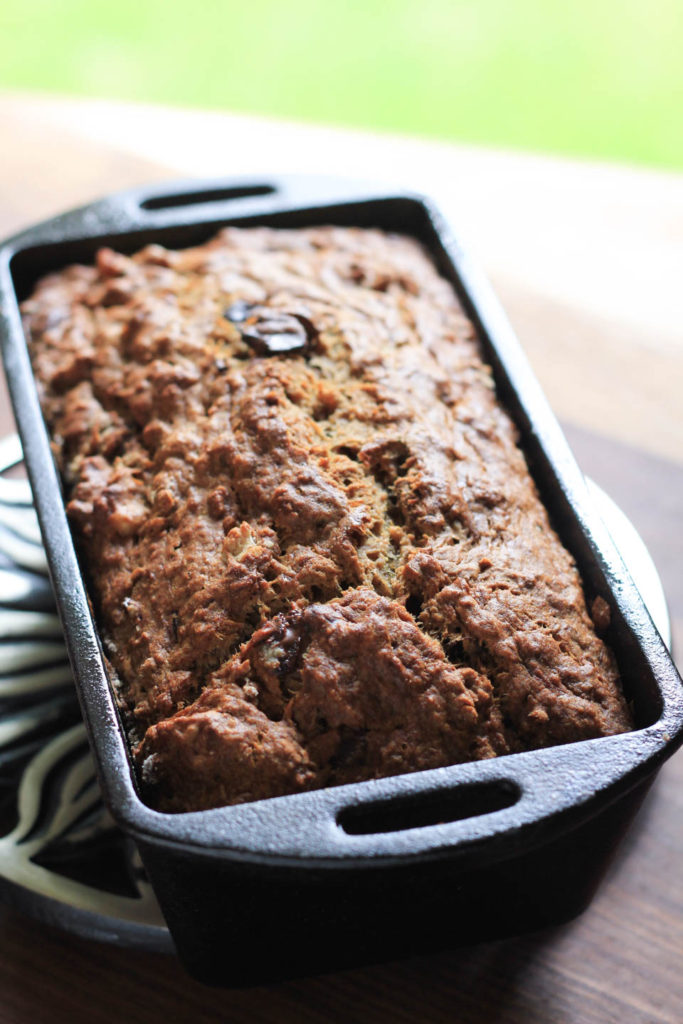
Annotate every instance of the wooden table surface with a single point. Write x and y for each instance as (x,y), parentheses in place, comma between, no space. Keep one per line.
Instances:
(584,258)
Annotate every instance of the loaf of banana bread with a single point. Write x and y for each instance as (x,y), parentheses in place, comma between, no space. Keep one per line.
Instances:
(313,546)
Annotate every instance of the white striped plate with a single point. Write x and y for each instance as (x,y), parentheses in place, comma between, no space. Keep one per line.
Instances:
(61,856)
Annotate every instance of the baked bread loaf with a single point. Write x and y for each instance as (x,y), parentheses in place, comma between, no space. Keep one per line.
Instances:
(314,549)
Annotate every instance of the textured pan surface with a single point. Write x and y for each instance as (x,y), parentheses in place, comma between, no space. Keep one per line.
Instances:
(519,799)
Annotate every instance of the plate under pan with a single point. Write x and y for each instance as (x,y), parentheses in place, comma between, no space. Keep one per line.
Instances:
(72,867)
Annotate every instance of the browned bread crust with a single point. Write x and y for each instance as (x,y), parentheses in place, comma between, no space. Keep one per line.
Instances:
(314,548)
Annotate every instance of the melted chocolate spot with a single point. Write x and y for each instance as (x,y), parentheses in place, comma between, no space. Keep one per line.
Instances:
(272,332)
(291,643)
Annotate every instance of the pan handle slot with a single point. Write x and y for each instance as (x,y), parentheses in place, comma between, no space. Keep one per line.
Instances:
(208,195)
(424,809)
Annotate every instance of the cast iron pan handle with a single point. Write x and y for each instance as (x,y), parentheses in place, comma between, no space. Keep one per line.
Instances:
(136,209)
(194,201)
(498,806)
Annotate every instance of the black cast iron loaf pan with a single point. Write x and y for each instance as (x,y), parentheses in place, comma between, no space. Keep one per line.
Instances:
(396,866)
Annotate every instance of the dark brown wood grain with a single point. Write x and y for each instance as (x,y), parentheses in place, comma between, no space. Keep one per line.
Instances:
(621,961)
(650,491)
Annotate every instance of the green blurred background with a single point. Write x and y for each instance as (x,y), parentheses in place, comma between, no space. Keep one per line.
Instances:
(594,78)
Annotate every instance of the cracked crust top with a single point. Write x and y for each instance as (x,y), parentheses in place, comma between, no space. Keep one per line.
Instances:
(314,548)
